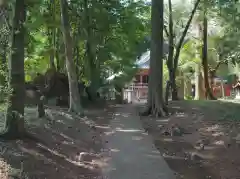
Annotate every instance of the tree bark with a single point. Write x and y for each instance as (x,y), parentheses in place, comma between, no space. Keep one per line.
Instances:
(181,85)
(52,34)
(179,45)
(199,92)
(174,59)
(75,103)
(14,126)
(187,89)
(93,65)
(155,105)
(172,73)
(58,50)
(208,92)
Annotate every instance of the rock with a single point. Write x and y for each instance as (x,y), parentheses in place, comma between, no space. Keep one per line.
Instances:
(166,133)
(237,138)
(195,157)
(93,127)
(201,147)
(15,173)
(204,142)
(86,157)
(228,141)
(176,131)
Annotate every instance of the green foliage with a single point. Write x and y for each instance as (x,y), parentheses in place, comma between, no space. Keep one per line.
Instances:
(119,33)
(118,28)
(4,91)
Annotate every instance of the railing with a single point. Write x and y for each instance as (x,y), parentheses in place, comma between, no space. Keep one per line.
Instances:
(137,86)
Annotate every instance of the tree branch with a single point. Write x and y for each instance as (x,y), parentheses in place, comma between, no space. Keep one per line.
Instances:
(166,31)
(218,65)
(179,45)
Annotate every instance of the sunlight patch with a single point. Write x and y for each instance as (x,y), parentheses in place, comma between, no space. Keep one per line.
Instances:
(114,150)
(137,138)
(128,130)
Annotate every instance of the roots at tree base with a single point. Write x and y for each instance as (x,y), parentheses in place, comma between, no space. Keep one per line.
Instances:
(149,110)
(14,127)
(210,96)
(77,112)
(10,135)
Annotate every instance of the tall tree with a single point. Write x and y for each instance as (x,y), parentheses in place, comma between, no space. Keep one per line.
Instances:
(52,33)
(92,62)
(208,92)
(74,97)
(155,103)
(14,126)
(173,58)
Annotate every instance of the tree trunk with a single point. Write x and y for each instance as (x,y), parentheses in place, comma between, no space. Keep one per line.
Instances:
(93,67)
(3,78)
(172,77)
(199,92)
(155,103)
(118,94)
(52,34)
(77,61)
(173,59)
(179,45)
(172,72)
(167,91)
(75,104)
(4,54)
(197,83)
(51,54)
(14,126)
(181,86)
(58,50)
(208,92)
(187,89)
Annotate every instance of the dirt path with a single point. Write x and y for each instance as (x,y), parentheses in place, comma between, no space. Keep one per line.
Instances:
(65,146)
(130,150)
(115,143)
(200,140)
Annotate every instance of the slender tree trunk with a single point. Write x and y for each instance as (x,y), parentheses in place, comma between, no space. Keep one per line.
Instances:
(4,55)
(197,82)
(75,104)
(180,43)
(93,67)
(77,62)
(58,66)
(51,54)
(172,74)
(208,92)
(156,104)
(14,126)
(187,88)
(52,34)
(3,78)
(181,85)
(199,87)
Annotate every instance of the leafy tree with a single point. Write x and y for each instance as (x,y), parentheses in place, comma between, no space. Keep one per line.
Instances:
(155,104)
(14,126)
(75,104)
(208,92)
(174,49)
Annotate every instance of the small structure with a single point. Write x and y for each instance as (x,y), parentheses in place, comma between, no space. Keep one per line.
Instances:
(236,87)
(139,84)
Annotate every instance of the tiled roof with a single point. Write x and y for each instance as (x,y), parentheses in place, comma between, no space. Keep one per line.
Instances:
(144,61)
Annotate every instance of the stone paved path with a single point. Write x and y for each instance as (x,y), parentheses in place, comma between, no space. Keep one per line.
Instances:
(131,150)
